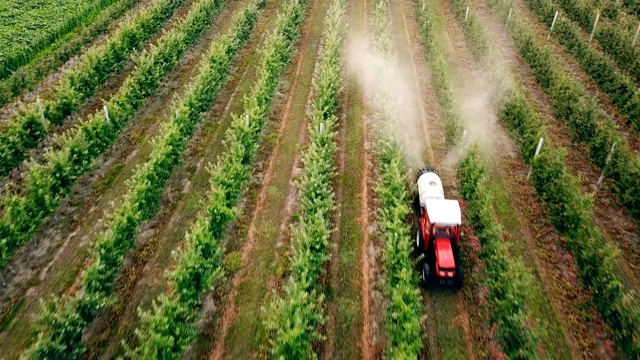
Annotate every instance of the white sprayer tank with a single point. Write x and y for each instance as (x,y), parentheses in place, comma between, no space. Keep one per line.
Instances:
(429,187)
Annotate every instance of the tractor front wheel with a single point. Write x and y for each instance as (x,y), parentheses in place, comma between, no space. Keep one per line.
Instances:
(458,281)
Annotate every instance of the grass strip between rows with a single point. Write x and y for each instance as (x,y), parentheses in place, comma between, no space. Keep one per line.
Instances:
(45,184)
(200,259)
(294,318)
(25,130)
(27,76)
(440,73)
(404,309)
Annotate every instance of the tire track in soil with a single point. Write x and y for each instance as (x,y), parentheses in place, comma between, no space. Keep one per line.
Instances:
(615,222)
(329,349)
(365,223)
(219,350)
(91,196)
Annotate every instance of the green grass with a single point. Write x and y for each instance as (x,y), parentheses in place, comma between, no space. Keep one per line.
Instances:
(449,332)
(109,177)
(15,309)
(349,320)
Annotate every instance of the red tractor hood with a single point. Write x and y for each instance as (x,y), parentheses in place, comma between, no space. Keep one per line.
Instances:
(444,254)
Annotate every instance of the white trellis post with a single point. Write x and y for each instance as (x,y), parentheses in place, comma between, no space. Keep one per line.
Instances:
(464,136)
(466,14)
(424,6)
(246,120)
(510,12)
(321,128)
(41,110)
(606,163)
(555,18)
(535,156)
(106,113)
(595,24)
(635,38)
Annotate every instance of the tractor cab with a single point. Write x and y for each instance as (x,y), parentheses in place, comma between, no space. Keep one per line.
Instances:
(438,235)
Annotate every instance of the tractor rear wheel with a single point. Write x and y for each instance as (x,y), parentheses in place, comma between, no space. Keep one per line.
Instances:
(426,274)
(458,281)
(419,240)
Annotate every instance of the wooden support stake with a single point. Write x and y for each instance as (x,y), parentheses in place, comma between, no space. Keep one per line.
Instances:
(509,17)
(595,24)
(606,163)
(555,18)
(41,110)
(424,6)
(466,14)
(635,38)
(535,156)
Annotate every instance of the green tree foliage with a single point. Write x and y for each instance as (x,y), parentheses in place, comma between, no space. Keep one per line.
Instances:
(49,60)
(617,86)
(588,125)
(614,37)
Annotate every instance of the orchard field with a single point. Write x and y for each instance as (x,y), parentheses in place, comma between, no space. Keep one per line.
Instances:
(232,179)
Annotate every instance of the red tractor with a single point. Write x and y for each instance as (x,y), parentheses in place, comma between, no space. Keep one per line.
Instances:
(438,235)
